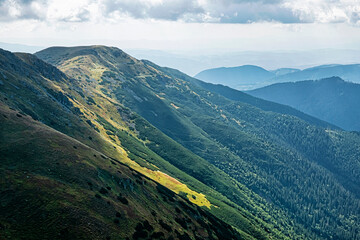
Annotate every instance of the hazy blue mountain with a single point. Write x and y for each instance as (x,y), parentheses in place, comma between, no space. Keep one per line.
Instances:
(250,77)
(347,72)
(242,77)
(330,99)
(284,71)
(188,64)
(193,62)
(19,47)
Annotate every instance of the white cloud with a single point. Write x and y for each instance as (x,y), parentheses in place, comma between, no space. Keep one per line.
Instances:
(221,11)
(326,11)
(154,9)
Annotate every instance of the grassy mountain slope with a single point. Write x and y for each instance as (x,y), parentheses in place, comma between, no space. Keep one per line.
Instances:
(55,187)
(330,99)
(83,110)
(301,171)
(255,207)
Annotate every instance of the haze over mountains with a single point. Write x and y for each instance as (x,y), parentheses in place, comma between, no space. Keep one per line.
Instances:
(194,61)
(241,78)
(143,151)
(19,47)
(251,77)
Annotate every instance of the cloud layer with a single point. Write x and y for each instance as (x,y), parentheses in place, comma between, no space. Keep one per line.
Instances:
(218,11)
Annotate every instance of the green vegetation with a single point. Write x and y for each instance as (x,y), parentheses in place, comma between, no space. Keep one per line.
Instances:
(268,170)
(58,188)
(246,200)
(62,105)
(291,166)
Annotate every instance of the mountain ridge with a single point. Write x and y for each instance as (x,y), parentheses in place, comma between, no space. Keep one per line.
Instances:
(237,78)
(331,99)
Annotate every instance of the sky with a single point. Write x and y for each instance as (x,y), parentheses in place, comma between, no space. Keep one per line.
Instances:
(184,26)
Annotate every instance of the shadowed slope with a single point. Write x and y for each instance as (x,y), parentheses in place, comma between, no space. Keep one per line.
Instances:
(55,187)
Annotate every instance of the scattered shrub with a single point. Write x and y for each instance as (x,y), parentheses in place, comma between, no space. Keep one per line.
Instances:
(157,235)
(103,191)
(165,226)
(123,200)
(182,222)
(177,209)
(153,213)
(147,226)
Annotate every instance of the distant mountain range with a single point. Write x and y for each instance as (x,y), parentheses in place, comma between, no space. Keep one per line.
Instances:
(350,73)
(20,47)
(242,77)
(331,99)
(192,62)
(249,77)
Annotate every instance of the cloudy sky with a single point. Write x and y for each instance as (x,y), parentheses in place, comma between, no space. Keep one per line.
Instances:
(184,25)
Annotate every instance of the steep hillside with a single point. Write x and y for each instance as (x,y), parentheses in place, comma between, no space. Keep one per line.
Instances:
(84,110)
(330,99)
(55,187)
(249,208)
(303,172)
(242,77)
